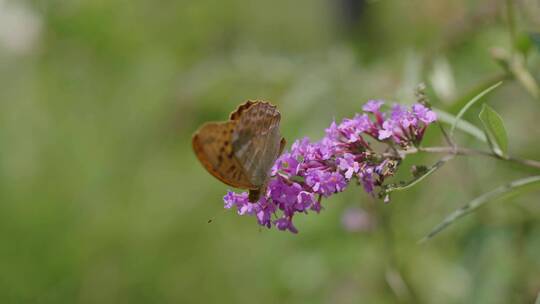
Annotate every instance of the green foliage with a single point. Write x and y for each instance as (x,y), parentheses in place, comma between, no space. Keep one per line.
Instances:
(494,130)
(470,104)
(103,201)
(503,192)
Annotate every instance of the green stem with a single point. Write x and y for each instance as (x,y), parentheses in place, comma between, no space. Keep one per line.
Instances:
(497,193)
(511,22)
(468,151)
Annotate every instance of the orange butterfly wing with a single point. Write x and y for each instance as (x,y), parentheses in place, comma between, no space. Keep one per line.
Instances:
(241,151)
(256,139)
(213,147)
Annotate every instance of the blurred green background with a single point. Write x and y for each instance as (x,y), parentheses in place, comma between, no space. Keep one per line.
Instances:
(103,201)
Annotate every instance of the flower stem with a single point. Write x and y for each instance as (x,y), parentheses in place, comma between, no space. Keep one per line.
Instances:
(468,151)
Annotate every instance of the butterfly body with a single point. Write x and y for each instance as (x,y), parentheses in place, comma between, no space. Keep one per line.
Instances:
(241,151)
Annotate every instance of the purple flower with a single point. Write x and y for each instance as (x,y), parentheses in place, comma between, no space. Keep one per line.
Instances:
(232,199)
(282,193)
(300,147)
(240,200)
(315,179)
(327,148)
(285,223)
(316,206)
(352,129)
(357,220)
(393,128)
(264,217)
(348,164)
(265,211)
(325,183)
(338,181)
(332,132)
(424,114)
(407,127)
(310,171)
(366,177)
(286,163)
(387,131)
(304,200)
(248,208)
(373,106)
(402,117)
(348,128)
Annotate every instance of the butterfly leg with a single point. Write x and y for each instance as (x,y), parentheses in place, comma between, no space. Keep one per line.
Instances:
(255,194)
(282,144)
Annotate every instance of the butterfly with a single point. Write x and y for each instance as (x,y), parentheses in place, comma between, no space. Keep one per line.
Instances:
(241,151)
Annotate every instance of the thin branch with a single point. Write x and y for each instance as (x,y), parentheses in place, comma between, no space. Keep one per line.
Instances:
(470,104)
(469,151)
(398,187)
(511,22)
(451,152)
(447,137)
(497,193)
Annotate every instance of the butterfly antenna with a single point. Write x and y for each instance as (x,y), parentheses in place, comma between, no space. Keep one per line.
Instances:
(211,219)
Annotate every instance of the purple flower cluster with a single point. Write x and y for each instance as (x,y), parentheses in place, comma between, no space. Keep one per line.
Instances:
(310,171)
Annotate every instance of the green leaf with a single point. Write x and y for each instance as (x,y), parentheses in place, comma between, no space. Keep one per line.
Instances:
(537,299)
(494,130)
(503,192)
(470,104)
